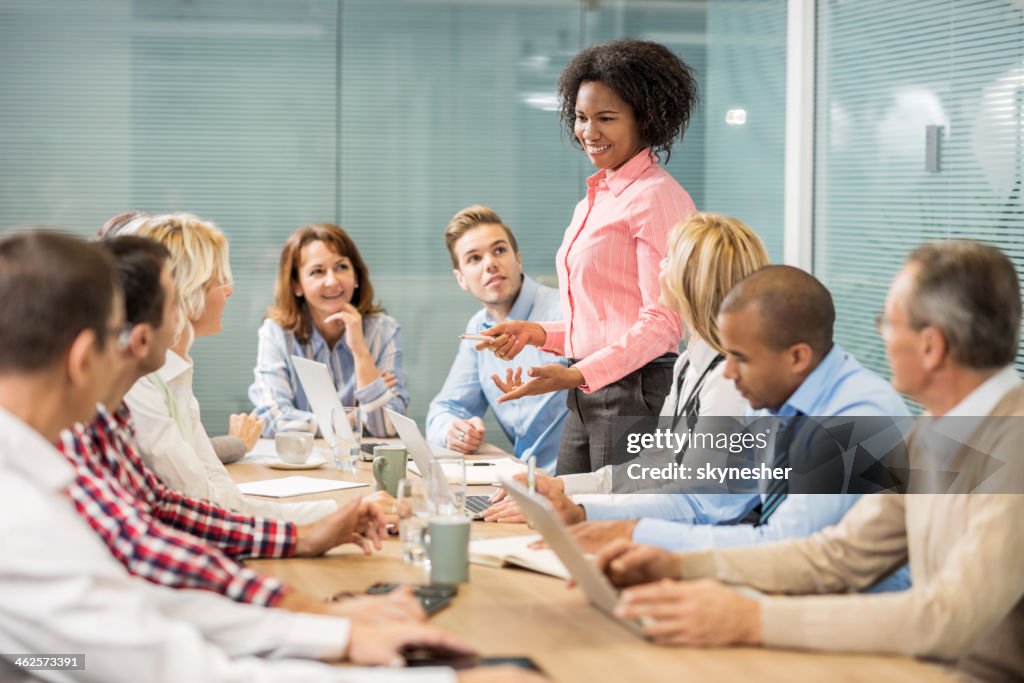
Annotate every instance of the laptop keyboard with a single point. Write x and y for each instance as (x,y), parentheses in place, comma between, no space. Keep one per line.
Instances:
(477,504)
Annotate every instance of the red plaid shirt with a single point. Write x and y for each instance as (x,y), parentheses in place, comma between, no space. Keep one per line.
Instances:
(160,534)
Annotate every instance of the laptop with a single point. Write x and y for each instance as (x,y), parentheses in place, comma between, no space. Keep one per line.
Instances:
(596,586)
(423,456)
(322,396)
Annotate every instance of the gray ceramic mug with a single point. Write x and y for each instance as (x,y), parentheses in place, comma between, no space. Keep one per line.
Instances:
(447,545)
(389,467)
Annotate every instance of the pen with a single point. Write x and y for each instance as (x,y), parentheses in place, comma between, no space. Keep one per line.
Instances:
(477,337)
(531,474)
(479,464)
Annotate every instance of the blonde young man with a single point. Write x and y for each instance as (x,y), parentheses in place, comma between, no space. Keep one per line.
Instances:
(486,263)
(951,328)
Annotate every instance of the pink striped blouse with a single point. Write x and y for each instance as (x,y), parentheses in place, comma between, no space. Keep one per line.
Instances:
(608,272)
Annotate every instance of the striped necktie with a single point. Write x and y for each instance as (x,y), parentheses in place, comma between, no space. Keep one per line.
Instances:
(778,489)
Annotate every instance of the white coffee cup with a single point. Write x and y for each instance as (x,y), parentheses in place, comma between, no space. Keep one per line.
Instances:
(293,447)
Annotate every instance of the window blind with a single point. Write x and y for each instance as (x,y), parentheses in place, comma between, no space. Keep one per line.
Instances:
(885,71)
(385,117)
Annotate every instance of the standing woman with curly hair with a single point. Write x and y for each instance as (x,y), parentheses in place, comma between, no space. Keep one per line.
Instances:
(624,103)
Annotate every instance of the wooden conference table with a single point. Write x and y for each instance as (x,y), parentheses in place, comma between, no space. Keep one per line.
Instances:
(510,612)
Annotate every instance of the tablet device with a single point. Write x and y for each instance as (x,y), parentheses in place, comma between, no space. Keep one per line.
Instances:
(596,586)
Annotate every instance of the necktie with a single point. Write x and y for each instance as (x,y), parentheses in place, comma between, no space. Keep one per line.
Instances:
(778,489)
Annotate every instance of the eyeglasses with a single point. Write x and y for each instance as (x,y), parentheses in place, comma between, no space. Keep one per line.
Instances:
(884,324)
(881,323)
(122,335)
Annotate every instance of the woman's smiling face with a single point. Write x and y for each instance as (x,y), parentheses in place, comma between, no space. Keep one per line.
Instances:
(326,280)
(605,126)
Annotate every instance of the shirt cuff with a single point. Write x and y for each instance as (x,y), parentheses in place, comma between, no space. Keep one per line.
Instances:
(374,395)
(273,538)
(599,507)
(585,482)
(554,337)
(437,429)
(592,378)
(674,536)
(250,587)
(312,636)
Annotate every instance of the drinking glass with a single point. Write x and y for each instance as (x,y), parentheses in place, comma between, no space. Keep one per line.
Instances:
(346,449)
(447,484)
(413,512)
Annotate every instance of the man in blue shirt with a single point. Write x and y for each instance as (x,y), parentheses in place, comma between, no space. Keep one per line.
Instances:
(487,263)
(776,327)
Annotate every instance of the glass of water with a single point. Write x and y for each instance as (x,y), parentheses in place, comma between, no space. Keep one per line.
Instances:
(448,485)
(347,424)
(413,513)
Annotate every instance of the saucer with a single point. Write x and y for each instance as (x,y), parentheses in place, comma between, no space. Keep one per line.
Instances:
(313,463)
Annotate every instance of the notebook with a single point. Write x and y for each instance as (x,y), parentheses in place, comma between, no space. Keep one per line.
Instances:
(515,551)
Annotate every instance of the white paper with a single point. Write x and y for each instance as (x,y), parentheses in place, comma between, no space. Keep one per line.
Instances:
(295,486)
(480,475)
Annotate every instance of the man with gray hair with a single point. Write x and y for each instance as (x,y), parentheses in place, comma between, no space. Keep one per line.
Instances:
(951,329)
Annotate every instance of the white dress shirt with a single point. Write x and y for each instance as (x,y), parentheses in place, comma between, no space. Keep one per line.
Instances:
(181,453)
(61,592)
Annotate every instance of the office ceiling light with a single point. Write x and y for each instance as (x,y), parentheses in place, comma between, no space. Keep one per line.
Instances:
(736,117)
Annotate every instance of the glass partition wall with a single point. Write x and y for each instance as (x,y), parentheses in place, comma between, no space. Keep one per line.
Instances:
(384,117)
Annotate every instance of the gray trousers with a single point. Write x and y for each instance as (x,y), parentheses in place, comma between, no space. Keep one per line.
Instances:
(588,439)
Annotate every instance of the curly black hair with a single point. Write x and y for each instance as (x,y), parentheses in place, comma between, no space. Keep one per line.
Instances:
(661,89)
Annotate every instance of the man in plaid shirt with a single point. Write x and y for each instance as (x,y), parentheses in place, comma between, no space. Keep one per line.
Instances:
(166,537)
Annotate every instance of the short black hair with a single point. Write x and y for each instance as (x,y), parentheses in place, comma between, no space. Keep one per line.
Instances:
(659,87)
(52,287)
(793,305)
(139,262)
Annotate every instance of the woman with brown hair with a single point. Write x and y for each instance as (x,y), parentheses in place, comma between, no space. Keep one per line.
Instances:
(324,311)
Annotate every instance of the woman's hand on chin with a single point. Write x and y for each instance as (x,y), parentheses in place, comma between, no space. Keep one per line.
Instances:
(351,325)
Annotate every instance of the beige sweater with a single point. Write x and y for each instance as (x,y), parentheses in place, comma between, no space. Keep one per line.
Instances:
(966,553)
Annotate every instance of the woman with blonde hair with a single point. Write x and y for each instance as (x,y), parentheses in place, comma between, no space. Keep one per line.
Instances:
(707,254)
(324,310)
(169,429)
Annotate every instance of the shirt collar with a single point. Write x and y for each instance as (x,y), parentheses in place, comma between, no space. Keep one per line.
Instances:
(104,419)
(25,450)
(524,302)
(699,353)
(317,343)
(816,387)
(174,366)
(981,401)
(621,178)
